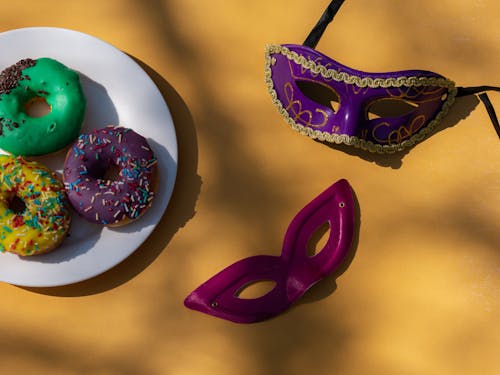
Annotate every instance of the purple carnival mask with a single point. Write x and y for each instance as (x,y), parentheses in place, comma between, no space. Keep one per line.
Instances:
(378,112)
(294,271)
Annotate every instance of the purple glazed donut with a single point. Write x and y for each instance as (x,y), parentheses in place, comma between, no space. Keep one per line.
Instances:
(112,202)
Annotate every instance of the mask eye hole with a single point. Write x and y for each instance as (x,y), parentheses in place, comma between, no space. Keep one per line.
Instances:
(318,239)
(390,107)
(320,93)
(255,289)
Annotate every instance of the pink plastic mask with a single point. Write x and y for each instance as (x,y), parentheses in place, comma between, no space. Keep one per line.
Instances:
(293,272)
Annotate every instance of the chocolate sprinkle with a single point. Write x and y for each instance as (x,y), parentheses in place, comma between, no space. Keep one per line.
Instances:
(10,77)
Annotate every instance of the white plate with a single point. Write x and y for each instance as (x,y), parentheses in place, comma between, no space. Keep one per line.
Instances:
(118,91)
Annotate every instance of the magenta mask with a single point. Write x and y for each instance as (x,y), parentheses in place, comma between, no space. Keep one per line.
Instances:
(378,112)
(293,272)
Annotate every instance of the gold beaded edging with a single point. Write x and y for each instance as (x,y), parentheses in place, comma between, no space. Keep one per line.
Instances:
(360,82)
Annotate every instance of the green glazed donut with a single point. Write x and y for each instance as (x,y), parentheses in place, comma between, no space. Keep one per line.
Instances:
(42,79)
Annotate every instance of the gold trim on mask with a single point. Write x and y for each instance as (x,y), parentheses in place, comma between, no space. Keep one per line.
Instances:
(361,82)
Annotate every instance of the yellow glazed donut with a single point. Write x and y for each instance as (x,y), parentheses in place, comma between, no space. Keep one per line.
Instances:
(41,221)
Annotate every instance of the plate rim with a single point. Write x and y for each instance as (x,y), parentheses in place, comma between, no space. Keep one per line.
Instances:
(173,151)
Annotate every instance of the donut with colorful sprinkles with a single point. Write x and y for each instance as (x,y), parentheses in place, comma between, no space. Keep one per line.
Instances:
(43,83)
(34,210)
(93,194)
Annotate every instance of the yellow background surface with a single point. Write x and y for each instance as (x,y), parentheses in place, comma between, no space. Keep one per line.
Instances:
(421,294)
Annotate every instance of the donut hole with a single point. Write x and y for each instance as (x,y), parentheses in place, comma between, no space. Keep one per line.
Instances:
(112,173)
(37,107)
(103,168)
(17,205)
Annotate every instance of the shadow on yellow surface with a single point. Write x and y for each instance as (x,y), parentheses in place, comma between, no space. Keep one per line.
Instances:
(460,110)
(420,296)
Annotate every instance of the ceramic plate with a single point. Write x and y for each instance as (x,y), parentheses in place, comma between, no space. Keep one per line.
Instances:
(118,91)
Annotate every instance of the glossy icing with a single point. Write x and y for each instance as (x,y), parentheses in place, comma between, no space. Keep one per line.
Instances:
(103,201)
(45,220)
(59,86)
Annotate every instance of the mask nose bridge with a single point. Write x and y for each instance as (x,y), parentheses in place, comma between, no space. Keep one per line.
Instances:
(351,112)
